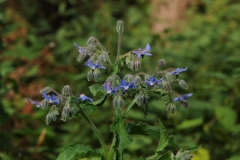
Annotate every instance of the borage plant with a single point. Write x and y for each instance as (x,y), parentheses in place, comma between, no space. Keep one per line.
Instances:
(139,87)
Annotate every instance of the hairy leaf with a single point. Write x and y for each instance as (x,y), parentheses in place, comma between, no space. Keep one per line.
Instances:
(96,88)
(77,151)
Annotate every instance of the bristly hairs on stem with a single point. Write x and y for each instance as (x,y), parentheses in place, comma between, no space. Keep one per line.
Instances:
(120,28)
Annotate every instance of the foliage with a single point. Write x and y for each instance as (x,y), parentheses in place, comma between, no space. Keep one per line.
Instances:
(36,50)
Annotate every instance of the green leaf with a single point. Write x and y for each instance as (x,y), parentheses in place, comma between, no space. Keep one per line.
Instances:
(193,149)
(114,69)
(227,117)
(122,137)
(190,123)
(143,129)
(163,137)
(100,101)
(96,88)
(77,151)
(173,142)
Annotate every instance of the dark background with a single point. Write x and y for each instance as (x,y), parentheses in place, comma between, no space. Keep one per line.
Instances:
(36,50)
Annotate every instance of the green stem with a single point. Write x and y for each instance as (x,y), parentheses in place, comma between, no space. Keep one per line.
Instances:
(94,128)
(119,46)
(111,150)
(129,107)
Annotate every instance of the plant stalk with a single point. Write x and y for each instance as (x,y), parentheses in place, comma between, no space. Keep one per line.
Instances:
(99,136)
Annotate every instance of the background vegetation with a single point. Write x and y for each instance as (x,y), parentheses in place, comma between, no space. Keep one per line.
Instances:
(36,50)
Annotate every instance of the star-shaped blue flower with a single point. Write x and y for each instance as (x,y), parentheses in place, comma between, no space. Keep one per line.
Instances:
(80,49)
(142,52)
(183,97)
(93,65)
(178,70)
(51,99)
(152,81)
(38,105)
(84,98)
(125,86)
(109,89)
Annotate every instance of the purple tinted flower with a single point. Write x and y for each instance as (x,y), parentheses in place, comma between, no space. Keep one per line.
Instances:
(38,105)
(108,88)
(152,81)
(94,66)
(84,98)
(80,49)
(125,86)
(183,97)
(178,70)
(51,99)
(142,52)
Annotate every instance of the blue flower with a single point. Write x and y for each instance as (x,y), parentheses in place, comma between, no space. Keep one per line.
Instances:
(142,52)
(84,98)
(38,105)
(178,70)
(94,66)
(125,86)
(152,81)
(183,97)
(80,49)
(51,99)
(109,89)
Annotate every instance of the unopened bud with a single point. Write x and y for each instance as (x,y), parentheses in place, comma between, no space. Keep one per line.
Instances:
(137,65)
(171,107)
(166,85)
(90,47)
(162,62)
(46,90)
(49,117)
(91,40)
(137,80)
(96,74)
(185,104)
(44,103)
(81,56)
(90,75)
(66,91)
(118,101)
(169,77)
(128,78)
(183,84)
(120,26)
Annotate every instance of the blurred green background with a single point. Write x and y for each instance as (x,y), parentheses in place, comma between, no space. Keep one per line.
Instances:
(36,50)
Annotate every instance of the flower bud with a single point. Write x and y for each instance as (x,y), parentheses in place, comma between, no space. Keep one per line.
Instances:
(96,74)
(44,103)
(137,80)
(118,101)
(66,91)
(162,62)
(185,104)
(166,85)
(46,90)
(49,117)
(81,57)
(120,26)
(90,75)
(91,40)
(171,107)
(140,99)
(183,84)
(103,57)
(90,47)
(137,65)
(128,78)
(169,77)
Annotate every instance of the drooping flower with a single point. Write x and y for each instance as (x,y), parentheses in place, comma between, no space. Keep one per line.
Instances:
(108,88)
(51,99)
(184,99)
(125,85)
(38,104)
(84,98)
(94,65)
(152,81)
(142,52)
(178,70)
(80,49)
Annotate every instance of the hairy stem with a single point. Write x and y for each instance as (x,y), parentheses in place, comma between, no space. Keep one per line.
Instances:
(129,107)
(99,136)
(119,46)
